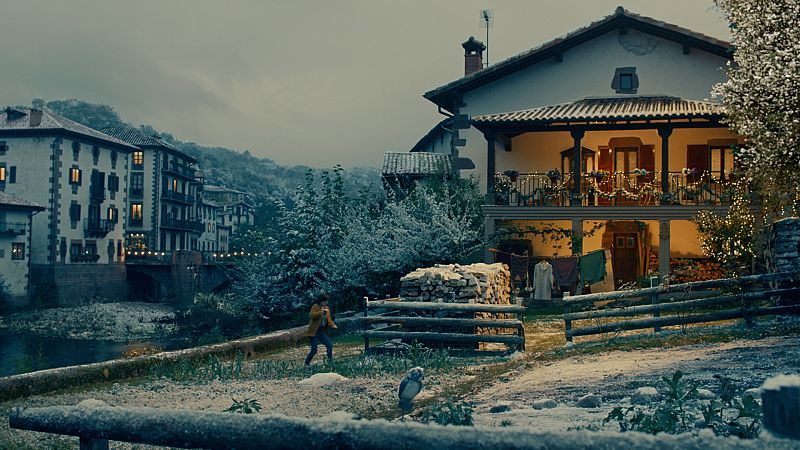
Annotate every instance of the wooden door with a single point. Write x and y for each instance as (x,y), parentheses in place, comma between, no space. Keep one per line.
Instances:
(626,159)
(626,258)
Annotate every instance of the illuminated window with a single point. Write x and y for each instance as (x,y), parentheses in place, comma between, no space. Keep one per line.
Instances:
(2,174)
(113,214)
(17,251)
(138,160)
(175,185)
(75,176)
(722,163)
(136,211)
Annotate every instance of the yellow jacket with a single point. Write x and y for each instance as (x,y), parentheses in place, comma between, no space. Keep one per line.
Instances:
(316,316)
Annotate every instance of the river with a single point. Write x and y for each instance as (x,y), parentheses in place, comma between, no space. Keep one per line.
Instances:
(26,352)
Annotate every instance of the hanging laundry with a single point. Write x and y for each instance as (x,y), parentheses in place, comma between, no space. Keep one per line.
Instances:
(593,266)
(519,267)
(565,272)
(543,281)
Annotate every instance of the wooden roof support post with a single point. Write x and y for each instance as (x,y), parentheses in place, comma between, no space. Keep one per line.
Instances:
(490,167)
(488,235)
(577,135)
(663,249)
(664,132)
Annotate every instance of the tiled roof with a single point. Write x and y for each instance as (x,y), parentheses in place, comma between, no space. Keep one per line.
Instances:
(212,188)
(440,127)
(619,19)
(28,119)
(608,108)
(12,201)
(139,138)
(416,163)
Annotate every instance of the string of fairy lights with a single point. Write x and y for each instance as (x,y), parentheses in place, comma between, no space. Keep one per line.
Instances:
(153,253)
(637,185)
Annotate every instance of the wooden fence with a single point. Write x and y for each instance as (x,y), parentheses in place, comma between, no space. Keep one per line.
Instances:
(384,323)
(689,303)
(97,425)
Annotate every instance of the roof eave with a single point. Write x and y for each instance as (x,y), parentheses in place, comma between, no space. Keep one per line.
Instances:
(60,132)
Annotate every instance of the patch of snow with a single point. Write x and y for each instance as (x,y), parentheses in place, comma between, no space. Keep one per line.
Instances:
(322,379)
(777,382)
(645,395)
(516,356)
(705,394)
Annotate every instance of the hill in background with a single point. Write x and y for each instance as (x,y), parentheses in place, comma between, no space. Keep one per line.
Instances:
(263,178)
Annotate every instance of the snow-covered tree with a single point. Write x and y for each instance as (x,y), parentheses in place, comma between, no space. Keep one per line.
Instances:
(334,242)
(762,94)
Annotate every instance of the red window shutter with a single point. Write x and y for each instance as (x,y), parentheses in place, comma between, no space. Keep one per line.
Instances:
(647,161)
(697,158)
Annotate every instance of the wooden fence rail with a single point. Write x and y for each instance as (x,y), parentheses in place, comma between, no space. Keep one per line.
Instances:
(393,324)
(741,304)
(96,425)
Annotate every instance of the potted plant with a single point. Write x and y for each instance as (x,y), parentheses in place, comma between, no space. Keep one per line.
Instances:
(599,175)
(512,174)
(554,175)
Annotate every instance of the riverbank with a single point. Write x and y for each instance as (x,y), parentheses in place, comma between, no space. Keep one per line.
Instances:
(117,322)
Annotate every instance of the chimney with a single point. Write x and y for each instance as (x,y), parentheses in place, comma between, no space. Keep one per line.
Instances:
(36,117)
(473,55)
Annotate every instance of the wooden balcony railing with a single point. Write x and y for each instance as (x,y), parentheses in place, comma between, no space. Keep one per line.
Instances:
(614,189)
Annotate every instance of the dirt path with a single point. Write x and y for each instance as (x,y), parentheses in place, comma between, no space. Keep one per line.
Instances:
(614,376)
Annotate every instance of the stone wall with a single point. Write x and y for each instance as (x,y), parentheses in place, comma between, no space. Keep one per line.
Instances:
(80,282)
(783,253)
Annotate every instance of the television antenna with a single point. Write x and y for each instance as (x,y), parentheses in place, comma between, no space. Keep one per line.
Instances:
(486,21)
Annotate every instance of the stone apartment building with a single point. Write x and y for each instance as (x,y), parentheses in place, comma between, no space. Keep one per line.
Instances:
(80,176)
(235,207)
(16,218)
(163,214)
(216,235)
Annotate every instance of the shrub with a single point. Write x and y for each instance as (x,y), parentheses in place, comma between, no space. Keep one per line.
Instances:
(246,406)
(448,413)
(45,295)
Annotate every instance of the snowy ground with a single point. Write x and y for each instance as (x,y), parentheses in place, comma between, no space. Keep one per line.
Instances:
(514,384)
(121,322)
(614,376)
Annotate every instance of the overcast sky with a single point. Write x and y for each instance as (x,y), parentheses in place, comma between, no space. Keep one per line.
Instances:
(302,82)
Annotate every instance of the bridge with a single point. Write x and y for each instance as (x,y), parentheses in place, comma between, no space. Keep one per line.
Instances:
(178,275)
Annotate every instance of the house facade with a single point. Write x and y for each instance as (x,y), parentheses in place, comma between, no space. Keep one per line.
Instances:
(16,220)
(215,234)
(80,176)
(606,131)
(234,207)
(163,192)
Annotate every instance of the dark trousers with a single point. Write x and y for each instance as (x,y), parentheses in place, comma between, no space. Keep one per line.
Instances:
(315,341)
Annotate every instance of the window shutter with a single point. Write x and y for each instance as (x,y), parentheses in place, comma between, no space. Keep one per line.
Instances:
(697,158)
(80,177)
(12,174)
(647,161)
(101,179)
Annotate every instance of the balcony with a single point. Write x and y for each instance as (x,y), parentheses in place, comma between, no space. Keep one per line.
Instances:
(137,193)
(613,189)
(13,228)
(135,222)
(97,192)
(182,224)
(97,227)
(177,196)
(181,170)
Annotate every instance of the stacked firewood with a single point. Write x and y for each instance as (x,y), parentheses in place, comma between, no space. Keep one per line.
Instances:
(687,270)
(454,283)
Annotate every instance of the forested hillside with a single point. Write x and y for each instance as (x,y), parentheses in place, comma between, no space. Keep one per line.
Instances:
(266,180)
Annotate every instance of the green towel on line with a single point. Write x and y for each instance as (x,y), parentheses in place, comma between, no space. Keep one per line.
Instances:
(593,266)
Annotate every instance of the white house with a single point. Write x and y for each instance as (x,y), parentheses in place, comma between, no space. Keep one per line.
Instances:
(16,218)
(79,175)
(607,131)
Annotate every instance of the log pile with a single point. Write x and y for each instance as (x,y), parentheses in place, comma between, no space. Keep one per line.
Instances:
(687,270)
(454,283)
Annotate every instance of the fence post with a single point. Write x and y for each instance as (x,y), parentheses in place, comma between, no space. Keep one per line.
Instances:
(366,313)
(567,322)
(782,408)
(656,312)
(93,444)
